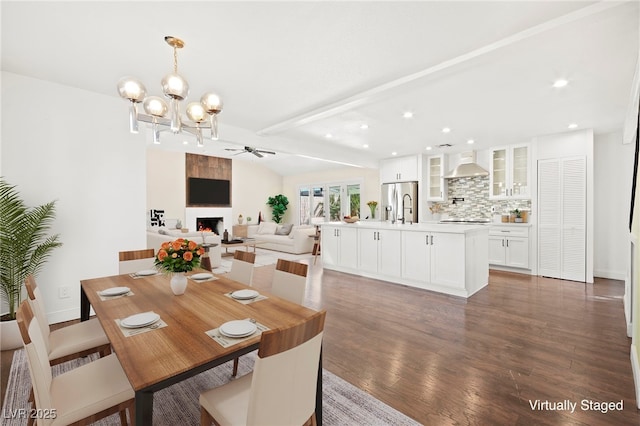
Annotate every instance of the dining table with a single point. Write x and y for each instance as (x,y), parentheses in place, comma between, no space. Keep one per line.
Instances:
(182,345)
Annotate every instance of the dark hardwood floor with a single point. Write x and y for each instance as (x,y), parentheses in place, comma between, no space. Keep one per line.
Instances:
(448,361)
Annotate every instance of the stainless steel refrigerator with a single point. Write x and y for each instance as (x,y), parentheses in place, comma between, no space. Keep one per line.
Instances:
(400,200)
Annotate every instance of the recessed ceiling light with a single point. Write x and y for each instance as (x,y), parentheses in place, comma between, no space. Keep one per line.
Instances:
(446,130)
(560,83)
(364,126)
(573,126)
(408,114)
(365,145)
(185,142)
(328,136)
(470,141)
(428,148)
(394,153)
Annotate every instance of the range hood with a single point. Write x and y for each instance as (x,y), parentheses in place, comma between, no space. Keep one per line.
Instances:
(467,167)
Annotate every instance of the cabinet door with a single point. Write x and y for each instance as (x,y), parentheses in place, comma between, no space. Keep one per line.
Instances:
(436,184)
(389,170)
(497,250)
(408,168)
(519,172)
(329,245)
(447,252)
(498,174)
(348,241)
(368,250)
(389,253)
(415,256)
(517,253)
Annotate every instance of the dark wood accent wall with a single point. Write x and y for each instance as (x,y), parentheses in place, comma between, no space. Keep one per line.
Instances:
(204,166)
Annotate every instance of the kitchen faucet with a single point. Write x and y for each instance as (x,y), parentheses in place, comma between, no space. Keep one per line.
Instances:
(403,208)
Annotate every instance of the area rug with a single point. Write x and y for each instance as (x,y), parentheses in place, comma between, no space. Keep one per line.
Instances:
(263,257)
(343,403)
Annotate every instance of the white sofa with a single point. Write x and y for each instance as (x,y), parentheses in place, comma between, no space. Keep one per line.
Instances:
(297,241)
(156,236)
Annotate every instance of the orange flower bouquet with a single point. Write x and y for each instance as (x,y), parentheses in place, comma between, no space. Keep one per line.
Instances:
(181,255)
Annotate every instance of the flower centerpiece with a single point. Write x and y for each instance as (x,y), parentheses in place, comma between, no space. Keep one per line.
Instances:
(372,205)
(176,258)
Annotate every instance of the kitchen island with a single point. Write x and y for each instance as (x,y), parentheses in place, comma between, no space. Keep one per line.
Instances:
(447,258)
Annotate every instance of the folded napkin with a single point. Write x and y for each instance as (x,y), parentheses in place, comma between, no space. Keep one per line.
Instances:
(103,298)
(212,278)
(128,332)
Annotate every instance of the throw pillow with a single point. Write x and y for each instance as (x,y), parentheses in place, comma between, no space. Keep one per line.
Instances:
(267,228)
(163,231)
(284,229)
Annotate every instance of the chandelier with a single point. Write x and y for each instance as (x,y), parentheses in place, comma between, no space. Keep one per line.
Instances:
(201,114)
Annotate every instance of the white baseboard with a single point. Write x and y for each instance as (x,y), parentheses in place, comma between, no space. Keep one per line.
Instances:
(611,275)
(635,366)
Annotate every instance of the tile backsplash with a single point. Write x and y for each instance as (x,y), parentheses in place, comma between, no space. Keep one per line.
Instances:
(476,204)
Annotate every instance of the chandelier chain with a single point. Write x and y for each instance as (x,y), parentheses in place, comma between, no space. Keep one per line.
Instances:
(175,59)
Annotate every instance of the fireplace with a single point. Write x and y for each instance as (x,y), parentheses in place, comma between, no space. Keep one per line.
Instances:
(214,224)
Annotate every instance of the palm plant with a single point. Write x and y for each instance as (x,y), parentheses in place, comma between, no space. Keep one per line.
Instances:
(24,244)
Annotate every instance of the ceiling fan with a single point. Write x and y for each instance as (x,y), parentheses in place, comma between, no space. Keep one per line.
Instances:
(257,152)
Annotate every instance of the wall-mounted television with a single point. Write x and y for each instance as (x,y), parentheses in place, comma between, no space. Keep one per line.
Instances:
(208,192)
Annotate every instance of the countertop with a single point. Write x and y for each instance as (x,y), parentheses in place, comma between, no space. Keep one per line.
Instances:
(418,227)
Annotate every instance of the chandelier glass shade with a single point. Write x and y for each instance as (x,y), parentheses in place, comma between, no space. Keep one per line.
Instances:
(200,115)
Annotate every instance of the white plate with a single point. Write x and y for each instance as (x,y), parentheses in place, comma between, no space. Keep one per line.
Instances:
(140,320)
(146,272)
(238,328)
(115,291)
(245,294)
(201,276)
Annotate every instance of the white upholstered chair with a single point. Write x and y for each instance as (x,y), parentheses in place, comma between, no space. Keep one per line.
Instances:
(80,396)
(242,267)
(68,342)
(290,280)
(136,260)
(281,389)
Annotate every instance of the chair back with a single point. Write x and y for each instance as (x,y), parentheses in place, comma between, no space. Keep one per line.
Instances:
(136,260)
(36,303)
(242,267)
(290,280)
(283,386)
(37,358)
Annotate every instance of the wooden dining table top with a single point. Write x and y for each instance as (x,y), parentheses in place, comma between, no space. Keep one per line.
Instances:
(158,355)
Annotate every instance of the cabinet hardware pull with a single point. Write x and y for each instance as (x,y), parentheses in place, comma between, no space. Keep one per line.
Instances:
(507,243)
(426,237)
(432,240)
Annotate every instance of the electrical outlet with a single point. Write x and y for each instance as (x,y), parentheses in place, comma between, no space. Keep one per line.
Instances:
(63,292)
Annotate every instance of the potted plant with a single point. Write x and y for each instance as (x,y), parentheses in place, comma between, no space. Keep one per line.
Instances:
(517,215)
(24,248)
(372,206)
(278,205)
(248,220)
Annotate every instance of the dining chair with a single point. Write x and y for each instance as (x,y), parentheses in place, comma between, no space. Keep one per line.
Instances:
(290,280)
(281,389)
(136,260)
(242,267)
(69,342)
(80,396)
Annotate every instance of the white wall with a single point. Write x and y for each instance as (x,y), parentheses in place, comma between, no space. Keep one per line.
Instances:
(613,175)
(74,146)
(166,188)
(370,189)
(253,184)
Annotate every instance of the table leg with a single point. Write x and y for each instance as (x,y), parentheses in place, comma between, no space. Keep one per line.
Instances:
(319,392)
(144,408)
(85,306)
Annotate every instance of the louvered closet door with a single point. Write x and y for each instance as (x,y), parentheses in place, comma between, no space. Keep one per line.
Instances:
(574,219)
(549,214)
(562,218)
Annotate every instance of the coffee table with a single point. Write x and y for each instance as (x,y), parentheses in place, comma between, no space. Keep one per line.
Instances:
(249,242)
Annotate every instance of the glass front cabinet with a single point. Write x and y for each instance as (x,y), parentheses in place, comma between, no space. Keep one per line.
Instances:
(436,183)
(510,174)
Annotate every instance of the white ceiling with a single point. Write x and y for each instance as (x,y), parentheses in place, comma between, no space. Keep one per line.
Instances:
(291,72)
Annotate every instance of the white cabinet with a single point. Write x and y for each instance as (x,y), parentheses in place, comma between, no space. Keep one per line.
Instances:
(339,246)
(380,251)
(436,167)
(510,173)
(509,246)
(433,258)
(401,169)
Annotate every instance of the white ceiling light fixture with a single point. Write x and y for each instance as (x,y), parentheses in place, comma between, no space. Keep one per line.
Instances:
(573,126)
(428,148)
(408,114)
(471,141)
(446,130)
(364,126)
(560,83)
(176,88)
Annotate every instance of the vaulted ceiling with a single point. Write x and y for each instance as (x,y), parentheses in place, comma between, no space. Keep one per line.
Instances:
(293,73)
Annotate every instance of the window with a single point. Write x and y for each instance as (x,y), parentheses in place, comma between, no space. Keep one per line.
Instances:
(328,202)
